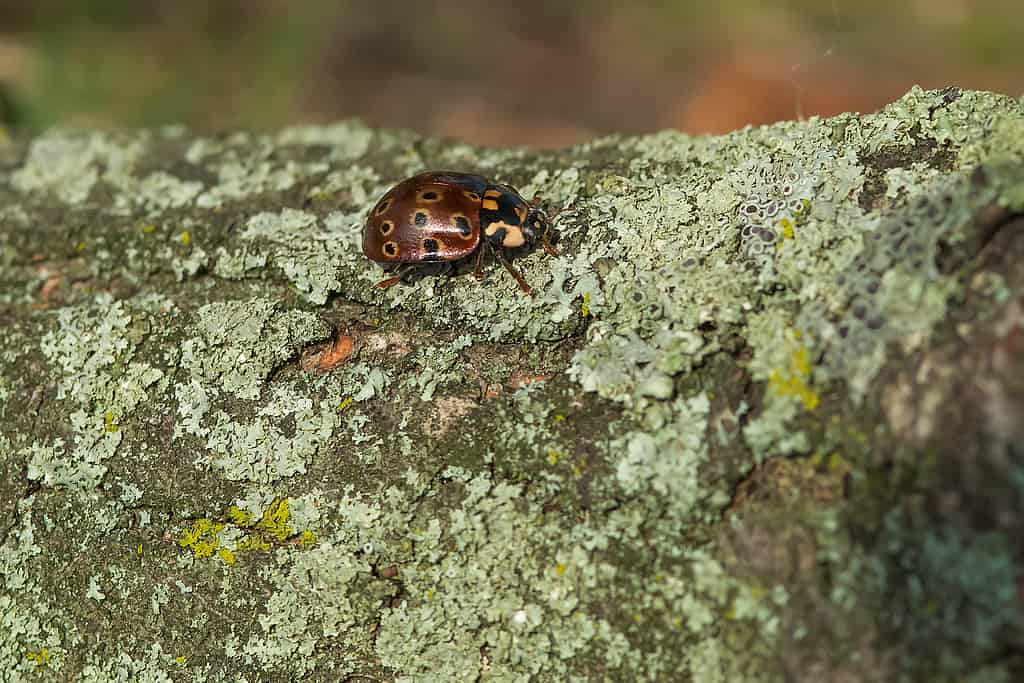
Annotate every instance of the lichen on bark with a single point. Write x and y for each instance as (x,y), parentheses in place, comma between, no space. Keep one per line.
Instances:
(762,420)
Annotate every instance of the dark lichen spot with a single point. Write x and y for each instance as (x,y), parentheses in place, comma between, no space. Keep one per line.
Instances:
(940,157)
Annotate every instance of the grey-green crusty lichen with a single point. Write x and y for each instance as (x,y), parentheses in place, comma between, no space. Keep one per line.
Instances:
(665,466)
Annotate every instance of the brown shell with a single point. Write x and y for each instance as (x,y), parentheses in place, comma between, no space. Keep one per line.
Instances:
(432,216)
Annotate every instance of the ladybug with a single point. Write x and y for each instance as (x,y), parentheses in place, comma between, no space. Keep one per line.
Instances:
(438,221)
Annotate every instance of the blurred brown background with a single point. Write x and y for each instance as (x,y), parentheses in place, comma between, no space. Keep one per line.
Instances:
(533,72)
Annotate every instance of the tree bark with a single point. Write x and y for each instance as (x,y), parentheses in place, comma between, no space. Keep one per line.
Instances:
(761,421)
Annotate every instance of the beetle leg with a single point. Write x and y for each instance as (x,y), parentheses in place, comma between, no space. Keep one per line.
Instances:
(402,272)
(478,271)
(384,284)
(513,272)
(548,247)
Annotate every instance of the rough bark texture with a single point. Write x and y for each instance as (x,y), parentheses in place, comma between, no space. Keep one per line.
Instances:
(763,420)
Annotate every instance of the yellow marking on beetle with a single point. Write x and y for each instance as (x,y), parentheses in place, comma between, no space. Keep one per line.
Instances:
(513,234)
(490,205)
(492,193)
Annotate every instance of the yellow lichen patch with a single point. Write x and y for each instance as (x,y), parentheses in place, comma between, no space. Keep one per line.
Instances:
(786,229)
(308,539)
(345,403)
(226,555)
(239,517)
(836,462)
(553,457)
(40,658)
(186,237)
(275,520)
(181,659)
(792,380)
(201,537)
(585,306)
(148,228)
(109,425)
(560,569)
(253,543)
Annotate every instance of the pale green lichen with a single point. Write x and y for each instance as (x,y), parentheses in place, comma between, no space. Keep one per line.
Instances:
(239,343)
(92,349)
(259,450)
(33,621)
(571,541)
(69,165)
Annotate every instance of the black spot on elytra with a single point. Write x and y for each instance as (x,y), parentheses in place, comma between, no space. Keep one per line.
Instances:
(463,225)
(429,196)
(420,218)
(386,227)
(390,248)
(383,206)
(430,250)
(473,195)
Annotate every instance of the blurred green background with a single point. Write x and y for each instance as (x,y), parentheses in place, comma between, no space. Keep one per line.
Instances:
(533,72)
